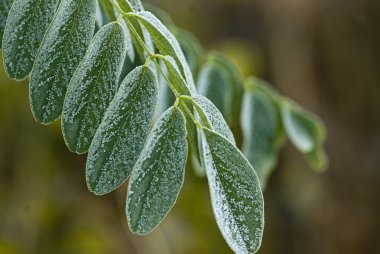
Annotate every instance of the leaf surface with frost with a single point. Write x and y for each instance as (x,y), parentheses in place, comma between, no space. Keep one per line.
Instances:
(5,6)
(158,174)
(63,47)
(93,86)
(236,196)
(27,23)
(120,137)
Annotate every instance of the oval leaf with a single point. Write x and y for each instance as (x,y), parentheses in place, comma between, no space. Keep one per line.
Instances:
(27,23)
(260,124)
(5,6)
(63,47)
(158,174)
(166,43)
(92,87)
(120,137)
(305,130)
(236,196)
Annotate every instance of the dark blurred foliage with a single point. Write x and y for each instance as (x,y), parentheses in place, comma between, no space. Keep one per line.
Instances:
(325,54)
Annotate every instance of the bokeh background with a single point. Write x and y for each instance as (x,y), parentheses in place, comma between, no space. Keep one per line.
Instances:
(324,54)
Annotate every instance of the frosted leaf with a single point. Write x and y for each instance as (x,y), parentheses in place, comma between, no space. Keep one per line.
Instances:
(5,6)
(236,196)
(211,116)
(63,47)
(120,137)
(158,174)
(260,121)
(166,43)
(304,129)
(27,23)
(92,87)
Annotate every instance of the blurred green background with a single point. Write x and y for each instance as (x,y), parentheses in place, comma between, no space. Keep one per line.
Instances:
(325,54)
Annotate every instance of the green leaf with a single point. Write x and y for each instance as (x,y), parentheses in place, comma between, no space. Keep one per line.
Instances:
(158,174)
(318,159)
(63,47)
(212,117)
(260,123)
(27,23)
(166,43)
(93,86)
(105,13)
(215,84)
(257,85)
(221,82)
(120,137)
(304,129)
(5,6)
(236,196)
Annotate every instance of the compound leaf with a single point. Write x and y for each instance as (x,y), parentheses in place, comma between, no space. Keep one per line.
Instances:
(93,86)
(63,47)
(5,6)
(120,137)
(236,196)
(158,174)
(27,23)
